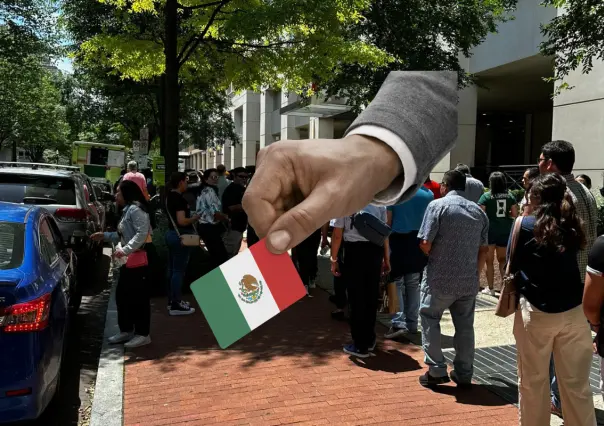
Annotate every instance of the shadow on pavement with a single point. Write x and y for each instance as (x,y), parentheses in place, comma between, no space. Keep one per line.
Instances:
(471,396)
(389,361)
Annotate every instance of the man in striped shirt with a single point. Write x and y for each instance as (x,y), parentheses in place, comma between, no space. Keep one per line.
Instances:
(559,157)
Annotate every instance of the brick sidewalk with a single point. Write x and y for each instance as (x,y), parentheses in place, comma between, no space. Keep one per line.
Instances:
(290,370)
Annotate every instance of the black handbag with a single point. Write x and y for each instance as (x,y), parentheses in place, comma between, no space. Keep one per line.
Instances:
(370,227)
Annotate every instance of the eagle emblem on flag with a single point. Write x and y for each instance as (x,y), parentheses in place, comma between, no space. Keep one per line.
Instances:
(250,289)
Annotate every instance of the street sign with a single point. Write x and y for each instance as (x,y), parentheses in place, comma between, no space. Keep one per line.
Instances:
(140,147)
(144,134)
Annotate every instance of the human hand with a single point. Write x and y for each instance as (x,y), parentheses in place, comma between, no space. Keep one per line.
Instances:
(195,217)
(97,236)
(335,269)
(324,242)
(300,185)
(119,253)
(386,268)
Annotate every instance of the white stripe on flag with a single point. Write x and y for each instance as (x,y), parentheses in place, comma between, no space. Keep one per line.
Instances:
(233,271)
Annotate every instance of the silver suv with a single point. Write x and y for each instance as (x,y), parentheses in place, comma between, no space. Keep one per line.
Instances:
(65,192)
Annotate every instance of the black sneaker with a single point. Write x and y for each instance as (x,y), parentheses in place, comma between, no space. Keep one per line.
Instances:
(428,381)
(181,308)
(372,347)
(459,383)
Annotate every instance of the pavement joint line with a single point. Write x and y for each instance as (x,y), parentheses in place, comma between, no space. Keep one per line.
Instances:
(108,401)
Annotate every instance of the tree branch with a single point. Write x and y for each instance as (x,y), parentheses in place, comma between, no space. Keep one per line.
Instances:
(183,59)
(199,6)
(256,46)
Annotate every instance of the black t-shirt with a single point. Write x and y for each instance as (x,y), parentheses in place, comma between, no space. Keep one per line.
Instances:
(176,203)
(550,280)
(233,194)
(595,262)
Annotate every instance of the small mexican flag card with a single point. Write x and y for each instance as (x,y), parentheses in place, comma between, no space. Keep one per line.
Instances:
(247,291)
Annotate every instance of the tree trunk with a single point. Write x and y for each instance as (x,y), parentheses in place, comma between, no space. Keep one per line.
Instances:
(161,126)
(171,89)
(14,153)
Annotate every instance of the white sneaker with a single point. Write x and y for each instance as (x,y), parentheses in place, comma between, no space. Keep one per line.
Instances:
(120,338)
(488,291)
(137,341)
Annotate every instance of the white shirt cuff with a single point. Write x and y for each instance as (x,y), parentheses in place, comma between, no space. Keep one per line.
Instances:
(396,190)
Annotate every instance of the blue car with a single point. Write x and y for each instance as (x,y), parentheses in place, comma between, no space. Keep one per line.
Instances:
(37,282)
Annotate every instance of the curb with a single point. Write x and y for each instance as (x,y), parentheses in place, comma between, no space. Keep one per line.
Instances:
(107,404)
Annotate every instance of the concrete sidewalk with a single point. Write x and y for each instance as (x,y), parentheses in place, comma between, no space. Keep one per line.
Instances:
(290,370)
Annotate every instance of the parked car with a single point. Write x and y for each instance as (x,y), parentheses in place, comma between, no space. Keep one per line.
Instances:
(104,192)
(65,192)
(38,293)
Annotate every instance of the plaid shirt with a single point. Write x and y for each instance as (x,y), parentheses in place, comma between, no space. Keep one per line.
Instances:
(585,203)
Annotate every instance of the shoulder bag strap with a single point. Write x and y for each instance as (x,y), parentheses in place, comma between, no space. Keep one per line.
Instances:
(170,216)
(515,235)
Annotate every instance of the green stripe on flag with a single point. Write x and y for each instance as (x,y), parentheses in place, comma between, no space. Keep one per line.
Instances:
(220,308)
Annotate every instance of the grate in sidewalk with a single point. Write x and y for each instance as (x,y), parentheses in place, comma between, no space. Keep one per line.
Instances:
(495,368)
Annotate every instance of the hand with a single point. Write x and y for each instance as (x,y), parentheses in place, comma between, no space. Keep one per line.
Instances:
(386,268)
(324,242)
(301,185)
(97,236)
(119,253)
(335,269)
(195,217)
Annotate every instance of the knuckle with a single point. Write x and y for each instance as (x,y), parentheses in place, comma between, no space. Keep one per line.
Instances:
(303,219)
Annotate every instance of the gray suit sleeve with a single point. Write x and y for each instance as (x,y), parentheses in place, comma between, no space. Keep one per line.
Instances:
(420,107)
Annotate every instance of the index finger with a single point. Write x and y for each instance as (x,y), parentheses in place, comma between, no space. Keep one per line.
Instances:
(258,202)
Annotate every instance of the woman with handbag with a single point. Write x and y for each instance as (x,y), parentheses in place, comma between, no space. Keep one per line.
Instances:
(213,223)
(181,226)
(543,256)
(132,292)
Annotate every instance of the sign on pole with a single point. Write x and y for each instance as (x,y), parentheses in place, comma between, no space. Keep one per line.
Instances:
(140,147)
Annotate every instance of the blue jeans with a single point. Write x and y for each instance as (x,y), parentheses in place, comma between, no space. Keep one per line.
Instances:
(407,288)
(433,305)
(178,259)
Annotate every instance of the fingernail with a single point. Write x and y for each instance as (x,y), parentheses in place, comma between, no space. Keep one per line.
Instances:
(280,240)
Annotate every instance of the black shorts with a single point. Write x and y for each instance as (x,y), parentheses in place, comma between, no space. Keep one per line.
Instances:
(499,240)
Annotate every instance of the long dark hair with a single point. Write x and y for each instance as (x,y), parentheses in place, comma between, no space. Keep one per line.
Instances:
(206,175)
(558,226)
(497,183)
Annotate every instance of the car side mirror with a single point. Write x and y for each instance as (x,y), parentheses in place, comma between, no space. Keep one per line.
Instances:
(107,196)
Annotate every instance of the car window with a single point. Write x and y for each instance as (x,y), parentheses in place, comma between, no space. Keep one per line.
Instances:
(32,189)
(12,237)
(48,244)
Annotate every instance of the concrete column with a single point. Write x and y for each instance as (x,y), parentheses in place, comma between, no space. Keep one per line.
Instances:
(266,115)
(251,128)
(320,128)
(237,155)
(465,147)
(288,123)
(579,118)
(226,155)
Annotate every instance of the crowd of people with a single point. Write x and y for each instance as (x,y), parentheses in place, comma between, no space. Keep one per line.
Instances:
(445,236)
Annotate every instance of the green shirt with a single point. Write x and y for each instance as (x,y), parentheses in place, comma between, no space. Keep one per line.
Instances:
(498,209)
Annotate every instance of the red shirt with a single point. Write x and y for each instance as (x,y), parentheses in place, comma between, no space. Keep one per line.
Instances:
(434,187)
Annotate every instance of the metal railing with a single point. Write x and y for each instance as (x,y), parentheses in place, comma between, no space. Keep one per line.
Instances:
(36,166)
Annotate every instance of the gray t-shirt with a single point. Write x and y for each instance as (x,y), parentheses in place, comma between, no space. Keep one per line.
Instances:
(474,189)
(352,235)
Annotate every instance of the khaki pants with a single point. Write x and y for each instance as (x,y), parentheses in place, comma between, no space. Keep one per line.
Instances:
(567,335)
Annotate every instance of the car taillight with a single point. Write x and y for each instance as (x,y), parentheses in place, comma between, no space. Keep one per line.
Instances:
(24,317)
(71,215)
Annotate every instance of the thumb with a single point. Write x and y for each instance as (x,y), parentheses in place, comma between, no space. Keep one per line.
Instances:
(296,224)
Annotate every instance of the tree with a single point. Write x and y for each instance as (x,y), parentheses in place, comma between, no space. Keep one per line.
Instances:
(576,38)
(244,42)
(31,114)
(27,27)
(419,35)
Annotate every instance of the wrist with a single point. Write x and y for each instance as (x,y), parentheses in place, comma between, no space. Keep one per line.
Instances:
(333,260)
(389,162)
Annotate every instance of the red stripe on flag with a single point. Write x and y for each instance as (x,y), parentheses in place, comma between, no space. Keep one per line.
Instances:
(280,274)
